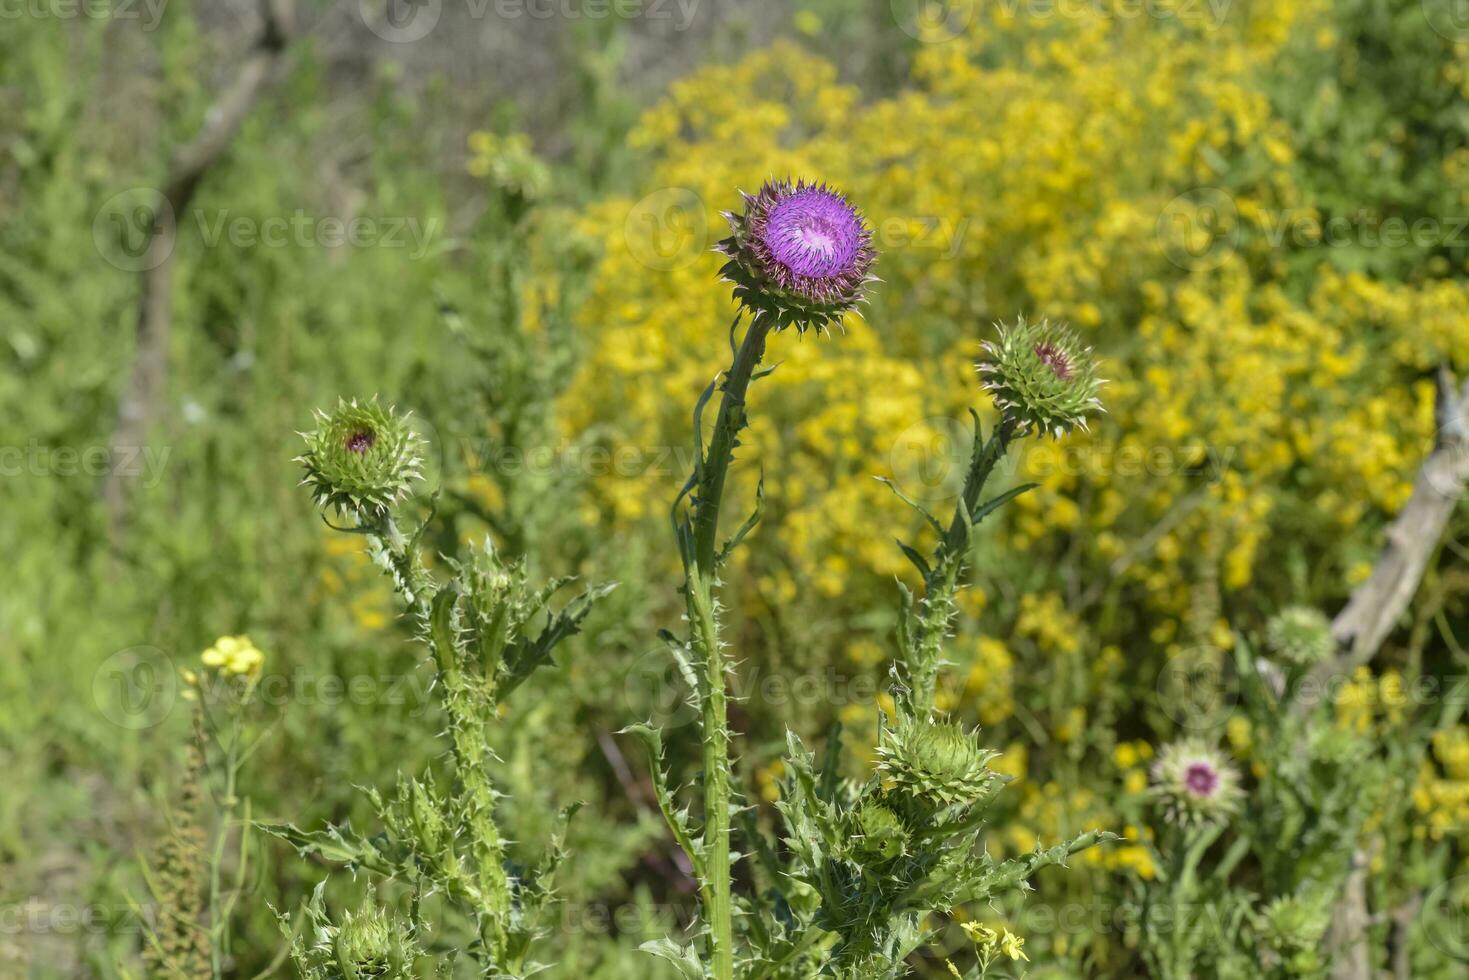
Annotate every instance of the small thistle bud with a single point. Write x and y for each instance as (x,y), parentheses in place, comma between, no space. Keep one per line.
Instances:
(1296,922)
(799,254)
(369,945)
(1293,927)
(1195,784)
(934,762)
(1300,635)
(879,832)
(1041,376)
(361,459)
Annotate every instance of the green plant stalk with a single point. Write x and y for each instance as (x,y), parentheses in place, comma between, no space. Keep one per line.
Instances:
(937,604)
(470,746)
(493,890)
(699,593)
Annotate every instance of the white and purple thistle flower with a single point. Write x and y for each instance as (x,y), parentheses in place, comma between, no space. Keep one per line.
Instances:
(1195,784)
(800,254)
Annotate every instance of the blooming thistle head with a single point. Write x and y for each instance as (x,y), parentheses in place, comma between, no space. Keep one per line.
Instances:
(1041,376)
(1300,635)
(361,458)
(936,763)
(1195,784)
(799,254)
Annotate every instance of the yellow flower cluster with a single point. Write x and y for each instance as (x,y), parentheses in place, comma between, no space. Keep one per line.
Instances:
(1368,700)
(1443,799)
(235,655)
(1002,941)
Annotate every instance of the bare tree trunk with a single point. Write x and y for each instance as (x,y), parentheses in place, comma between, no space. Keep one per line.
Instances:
(138,408)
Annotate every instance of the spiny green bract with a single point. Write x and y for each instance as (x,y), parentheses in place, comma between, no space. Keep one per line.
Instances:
(361,458)
(1300,635)
(937,763)
(1042,376)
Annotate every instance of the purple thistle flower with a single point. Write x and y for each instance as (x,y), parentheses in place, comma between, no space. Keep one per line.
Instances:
(361,441)
(1201,779)
(800,254)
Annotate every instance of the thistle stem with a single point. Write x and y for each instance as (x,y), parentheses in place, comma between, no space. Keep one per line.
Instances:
(699,592)
(937,605)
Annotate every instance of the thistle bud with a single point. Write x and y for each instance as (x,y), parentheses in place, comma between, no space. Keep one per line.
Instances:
(1041,376)
(1300,635)
(799,254)
(879,833)
(1195,784)
(369,945)
(936,763)
(1293,927)
(361,459)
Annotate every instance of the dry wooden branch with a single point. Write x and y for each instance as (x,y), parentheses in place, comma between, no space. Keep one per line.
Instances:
(1412,538)
(139,405)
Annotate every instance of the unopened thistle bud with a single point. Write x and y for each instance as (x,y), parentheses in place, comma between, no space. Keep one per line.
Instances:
(1041,376)
(1300,635)
(370,945)
(1195,784)
(937,763)
(1293,923)
(879,833)
(799,254)
(361,459)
